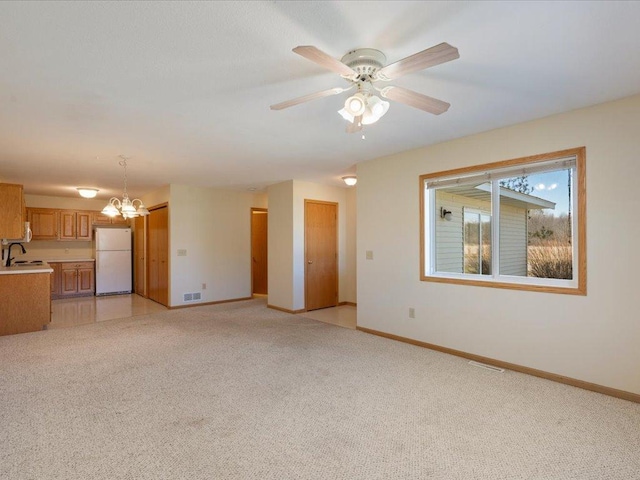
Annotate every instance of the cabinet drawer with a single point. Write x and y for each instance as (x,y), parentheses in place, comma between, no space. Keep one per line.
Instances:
(76,265)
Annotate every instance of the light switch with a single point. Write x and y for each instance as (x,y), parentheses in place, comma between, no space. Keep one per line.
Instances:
(369,254)
(182,252)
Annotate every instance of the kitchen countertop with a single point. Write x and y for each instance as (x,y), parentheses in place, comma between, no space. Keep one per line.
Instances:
(13,270)
(65,260)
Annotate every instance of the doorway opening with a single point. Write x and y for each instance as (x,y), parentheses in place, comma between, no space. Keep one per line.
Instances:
(259,249)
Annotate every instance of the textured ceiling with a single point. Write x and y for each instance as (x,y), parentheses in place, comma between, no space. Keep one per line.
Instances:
(184,88)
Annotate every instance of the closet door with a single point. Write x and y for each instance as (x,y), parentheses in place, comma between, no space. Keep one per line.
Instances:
(158,256)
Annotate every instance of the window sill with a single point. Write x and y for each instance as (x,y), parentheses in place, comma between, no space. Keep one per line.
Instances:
(580,289)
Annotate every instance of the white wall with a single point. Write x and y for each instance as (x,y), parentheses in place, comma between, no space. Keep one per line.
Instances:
(594,338)
(286,241)
(214,227)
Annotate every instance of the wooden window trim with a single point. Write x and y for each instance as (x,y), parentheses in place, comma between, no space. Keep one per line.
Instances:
(581,235)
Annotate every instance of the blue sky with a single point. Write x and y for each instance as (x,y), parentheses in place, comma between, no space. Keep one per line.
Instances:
(552,186)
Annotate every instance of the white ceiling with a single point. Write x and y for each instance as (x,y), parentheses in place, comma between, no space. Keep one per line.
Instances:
(184,88)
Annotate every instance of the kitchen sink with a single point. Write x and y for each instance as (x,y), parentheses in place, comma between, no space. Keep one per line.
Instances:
(27,263)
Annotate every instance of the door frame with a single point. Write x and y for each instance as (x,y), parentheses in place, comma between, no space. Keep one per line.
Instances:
(257,209)
(337,239)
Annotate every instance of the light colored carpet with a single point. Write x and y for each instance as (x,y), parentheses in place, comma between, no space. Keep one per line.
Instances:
(239,391)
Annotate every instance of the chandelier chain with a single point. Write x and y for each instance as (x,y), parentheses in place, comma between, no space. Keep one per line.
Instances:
(123,163)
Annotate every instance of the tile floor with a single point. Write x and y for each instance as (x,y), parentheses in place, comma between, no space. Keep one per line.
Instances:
(68,312)
(342,316)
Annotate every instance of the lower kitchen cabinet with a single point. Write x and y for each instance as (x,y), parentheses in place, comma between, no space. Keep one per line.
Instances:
(74,279)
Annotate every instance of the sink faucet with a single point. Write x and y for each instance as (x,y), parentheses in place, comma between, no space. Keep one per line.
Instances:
(9,258)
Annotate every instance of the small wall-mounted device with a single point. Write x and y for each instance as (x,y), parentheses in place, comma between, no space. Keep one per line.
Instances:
(446,214)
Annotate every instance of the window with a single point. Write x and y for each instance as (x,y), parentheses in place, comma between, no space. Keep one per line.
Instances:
(513,224)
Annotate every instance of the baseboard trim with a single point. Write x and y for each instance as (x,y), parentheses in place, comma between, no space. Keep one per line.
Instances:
(210,303)
(613,392)
(286,310)
(348,303)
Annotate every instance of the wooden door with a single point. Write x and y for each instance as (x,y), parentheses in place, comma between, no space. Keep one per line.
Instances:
(259,272)
(86,283)
(67,225)
(158,254)
(83,226)
(68,280)
(44,223)
(55,279)
(12,213)
(139,256)
(321,254)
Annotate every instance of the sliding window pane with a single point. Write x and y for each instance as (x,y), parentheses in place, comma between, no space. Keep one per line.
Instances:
(535,225)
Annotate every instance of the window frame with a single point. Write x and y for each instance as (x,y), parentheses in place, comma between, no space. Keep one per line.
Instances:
(576,286)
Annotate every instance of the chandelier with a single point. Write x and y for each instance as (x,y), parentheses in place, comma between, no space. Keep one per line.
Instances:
(125,207)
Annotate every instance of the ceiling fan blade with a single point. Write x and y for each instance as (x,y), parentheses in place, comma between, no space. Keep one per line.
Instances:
(414,99)
(324,60)
(356,126)
(306,98)
(419,61)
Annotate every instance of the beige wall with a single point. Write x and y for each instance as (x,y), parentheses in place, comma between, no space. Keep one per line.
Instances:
(594,338)
(280,245)
(286,241)
(214,227)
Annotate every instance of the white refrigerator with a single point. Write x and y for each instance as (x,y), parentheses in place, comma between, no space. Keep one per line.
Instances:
(113,260)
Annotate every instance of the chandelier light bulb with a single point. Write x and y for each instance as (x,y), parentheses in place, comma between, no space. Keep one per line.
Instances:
(355,105)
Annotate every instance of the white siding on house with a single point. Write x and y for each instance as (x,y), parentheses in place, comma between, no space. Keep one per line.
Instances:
(513,240)
(449,233)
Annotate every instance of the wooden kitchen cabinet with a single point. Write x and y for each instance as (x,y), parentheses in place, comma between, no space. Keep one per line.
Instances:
(25,305)
(98,218)
(44,223)
(75,225)
(12,213)
(74,279)
(55,279)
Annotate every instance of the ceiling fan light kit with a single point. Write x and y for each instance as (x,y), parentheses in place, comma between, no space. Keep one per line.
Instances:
(364,67)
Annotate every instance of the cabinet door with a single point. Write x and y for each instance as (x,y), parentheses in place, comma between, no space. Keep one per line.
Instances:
(12,212)
(83,225)
(85,280)
(55,279)
(44,223)
(119,220)
(67,225)
(98,218)
(68,280)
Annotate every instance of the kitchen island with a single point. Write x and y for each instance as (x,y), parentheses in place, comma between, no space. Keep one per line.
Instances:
(25,298)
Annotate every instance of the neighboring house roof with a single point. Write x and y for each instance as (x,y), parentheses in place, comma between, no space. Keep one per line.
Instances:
(507,196)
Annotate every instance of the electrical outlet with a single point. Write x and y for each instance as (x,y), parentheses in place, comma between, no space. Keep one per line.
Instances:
(369,254)
(412,312)
(204,286)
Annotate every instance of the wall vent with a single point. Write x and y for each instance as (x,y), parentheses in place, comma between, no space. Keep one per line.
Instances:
(190,297)
(486,367)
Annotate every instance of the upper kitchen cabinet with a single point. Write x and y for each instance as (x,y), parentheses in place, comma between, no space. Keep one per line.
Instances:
(12,212)
(75,225)
(99,218)
(44,223)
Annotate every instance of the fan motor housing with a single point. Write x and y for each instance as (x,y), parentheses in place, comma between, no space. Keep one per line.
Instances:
(364,61)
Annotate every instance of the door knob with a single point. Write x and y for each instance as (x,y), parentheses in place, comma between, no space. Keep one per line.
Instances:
(310,262)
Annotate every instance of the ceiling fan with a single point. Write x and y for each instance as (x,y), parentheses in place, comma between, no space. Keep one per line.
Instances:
(365,68)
